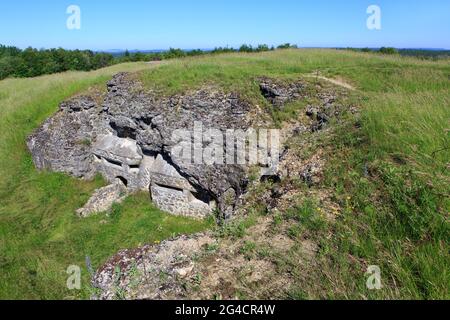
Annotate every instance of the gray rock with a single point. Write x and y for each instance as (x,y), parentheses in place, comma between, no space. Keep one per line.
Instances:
(103,199)
(137,273)
(82,103)
(278,94)
(322,114)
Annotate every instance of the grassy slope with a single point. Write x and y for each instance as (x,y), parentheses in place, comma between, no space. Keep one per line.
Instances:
(39,233)
(397,217)
(403,229)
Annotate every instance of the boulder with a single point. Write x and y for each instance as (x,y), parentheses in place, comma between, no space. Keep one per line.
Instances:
(103,199)
(136,274)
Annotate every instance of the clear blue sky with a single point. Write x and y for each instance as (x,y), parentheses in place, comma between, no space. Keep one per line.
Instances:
(151,24)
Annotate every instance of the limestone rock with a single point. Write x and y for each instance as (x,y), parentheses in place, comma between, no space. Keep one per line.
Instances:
(103,199)
(157,267)
(278,94)
(130,136)
(322,114)
(63,142)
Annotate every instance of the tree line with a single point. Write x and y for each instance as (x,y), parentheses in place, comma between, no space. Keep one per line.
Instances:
(425,54)
(179,53)
(383,50)
(32,62)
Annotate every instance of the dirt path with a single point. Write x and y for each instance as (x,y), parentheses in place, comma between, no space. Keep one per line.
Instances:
(338,82)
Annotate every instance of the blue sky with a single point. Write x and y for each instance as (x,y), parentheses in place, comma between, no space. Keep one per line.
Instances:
(150,24)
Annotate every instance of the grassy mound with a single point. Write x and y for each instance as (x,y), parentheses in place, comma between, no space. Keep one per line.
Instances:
(390,172)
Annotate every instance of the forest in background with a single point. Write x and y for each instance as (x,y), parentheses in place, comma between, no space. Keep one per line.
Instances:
(32,62)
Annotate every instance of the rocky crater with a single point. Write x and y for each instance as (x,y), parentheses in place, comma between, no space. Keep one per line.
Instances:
(129,136)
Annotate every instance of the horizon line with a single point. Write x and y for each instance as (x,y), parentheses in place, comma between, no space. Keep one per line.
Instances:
(227,46)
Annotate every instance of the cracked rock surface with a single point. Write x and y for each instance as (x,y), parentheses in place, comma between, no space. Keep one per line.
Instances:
(151,272)
(103,199)
(66,142)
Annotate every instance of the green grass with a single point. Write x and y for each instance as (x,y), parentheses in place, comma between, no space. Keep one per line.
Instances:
(40,236)
(397,216)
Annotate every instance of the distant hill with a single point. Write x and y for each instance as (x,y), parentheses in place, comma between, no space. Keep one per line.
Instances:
(121,52)
(425,53)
